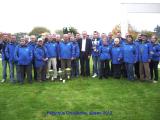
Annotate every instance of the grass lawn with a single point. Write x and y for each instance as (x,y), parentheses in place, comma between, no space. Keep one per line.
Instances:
(122,99)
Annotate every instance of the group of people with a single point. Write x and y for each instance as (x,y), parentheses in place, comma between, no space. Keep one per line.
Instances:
(51,57)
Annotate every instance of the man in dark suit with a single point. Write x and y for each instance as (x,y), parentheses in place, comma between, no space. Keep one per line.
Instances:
(85,45)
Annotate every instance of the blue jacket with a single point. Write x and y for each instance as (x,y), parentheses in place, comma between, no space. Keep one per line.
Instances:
(144,51)
(4,44)
(130,53)
(40,52)
(116,54)
(155,51)
(9,51)
(65,50)
(23,55)
(52,49)
(95,46)
(76,51)
(104,52)
(31,45)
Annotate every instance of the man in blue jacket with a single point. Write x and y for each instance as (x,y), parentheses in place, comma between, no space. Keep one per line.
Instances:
(41,59)
(144,58)
(75,61)
(32,45)
(130,56)
(66,55)
(95,54)
(52,48)
(4,57)
(9,51)
(23,55)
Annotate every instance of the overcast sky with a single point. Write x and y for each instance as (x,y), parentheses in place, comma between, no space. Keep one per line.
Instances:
(89,15)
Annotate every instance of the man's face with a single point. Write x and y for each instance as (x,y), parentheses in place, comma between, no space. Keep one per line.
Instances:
(22,42)
(119,35)
(95,35)
(65,37)
(78,36)
(84,34)
(5,37)
(33,38)
(13,38)
(153,39)
(110,35)
(139,37)
(144,38)
(40,42)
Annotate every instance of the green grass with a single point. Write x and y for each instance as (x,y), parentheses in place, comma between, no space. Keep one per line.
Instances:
(127,100)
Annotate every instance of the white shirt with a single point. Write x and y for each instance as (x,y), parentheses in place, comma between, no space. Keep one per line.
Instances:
(83,45)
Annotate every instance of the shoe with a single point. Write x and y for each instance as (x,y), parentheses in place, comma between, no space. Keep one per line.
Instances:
(95,75)
(64,81)
(3,80)
(155,81)
(60,79)
(100,78)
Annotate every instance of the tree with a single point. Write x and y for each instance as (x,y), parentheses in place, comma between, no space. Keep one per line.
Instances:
(157,30)
(39,30)
(60,32)
(131,30)
(72,30)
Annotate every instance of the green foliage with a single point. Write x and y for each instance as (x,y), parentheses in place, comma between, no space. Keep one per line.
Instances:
(72,30)
(39,30)
(60,32)
(157,30)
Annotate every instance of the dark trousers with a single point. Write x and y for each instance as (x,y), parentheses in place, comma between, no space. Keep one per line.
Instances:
(136,66)
(58,64)
(123,70)
(34,70)
(84,61)
(154,68)
(25,70)
(42,71)
(104,68)
(75,67)
(130,71)
(116,71)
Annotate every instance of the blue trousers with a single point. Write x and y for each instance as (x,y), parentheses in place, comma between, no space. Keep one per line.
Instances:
(4,69)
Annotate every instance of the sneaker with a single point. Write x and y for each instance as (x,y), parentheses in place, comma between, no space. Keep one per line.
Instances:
(64,81)
(3,80)
(60,79)
(155,81)
(95,75)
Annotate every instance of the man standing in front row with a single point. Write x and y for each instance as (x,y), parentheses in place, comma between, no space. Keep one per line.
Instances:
(85,46)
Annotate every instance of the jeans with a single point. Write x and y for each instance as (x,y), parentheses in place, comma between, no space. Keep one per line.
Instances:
(11,69)
(130,71)
(154,68)
(95,64)
(4,69)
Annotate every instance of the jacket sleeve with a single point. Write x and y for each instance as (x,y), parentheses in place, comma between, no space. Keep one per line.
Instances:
(90,47)
(36,55)
(77,51)
(16,53)
(7,51)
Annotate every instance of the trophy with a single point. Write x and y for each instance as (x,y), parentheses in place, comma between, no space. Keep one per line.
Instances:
(68,73)
(60,74)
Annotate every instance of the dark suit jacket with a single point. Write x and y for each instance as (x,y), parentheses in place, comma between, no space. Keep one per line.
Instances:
(88,49)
